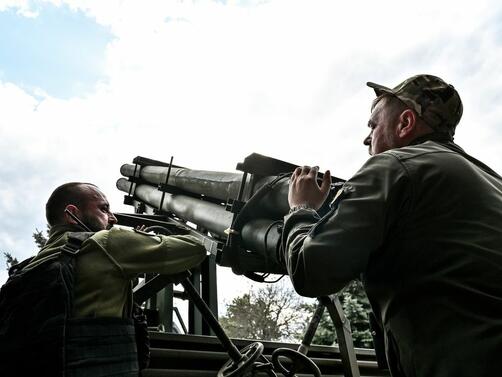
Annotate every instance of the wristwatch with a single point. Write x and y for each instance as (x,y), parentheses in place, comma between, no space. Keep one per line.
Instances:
(300,206)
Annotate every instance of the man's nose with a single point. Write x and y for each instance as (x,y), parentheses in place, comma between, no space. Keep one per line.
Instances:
(112,219)
(367,140)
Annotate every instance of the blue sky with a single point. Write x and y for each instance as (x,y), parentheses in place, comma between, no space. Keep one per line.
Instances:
(85,86)
(59,51)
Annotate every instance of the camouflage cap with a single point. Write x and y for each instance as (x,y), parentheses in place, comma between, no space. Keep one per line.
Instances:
(435,101)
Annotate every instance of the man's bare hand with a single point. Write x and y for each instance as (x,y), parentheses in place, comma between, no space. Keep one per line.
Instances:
(304,189)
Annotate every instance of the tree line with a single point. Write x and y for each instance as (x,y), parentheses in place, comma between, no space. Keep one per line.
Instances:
(276,312)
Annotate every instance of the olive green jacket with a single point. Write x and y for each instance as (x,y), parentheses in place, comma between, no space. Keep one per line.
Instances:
(422,226)
(108,261)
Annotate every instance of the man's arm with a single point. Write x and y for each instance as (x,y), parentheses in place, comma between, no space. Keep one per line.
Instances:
(323,255)
(137,252)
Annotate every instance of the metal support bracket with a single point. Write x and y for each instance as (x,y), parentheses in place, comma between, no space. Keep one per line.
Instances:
(343,334)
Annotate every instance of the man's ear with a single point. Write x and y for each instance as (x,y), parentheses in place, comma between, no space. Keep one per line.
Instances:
(74,210)
(407,123)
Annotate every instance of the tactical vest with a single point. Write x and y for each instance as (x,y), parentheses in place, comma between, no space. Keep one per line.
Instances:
(37,335)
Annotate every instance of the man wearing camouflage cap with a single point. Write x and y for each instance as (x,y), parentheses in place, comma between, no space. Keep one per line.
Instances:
(421,224)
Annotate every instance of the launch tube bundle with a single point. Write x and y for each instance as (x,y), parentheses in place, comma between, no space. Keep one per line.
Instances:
(238,215)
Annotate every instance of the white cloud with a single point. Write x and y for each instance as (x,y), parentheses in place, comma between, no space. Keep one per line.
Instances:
(210,83)
(23,7)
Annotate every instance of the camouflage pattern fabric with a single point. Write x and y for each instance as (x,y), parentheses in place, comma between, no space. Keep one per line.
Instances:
(435,101)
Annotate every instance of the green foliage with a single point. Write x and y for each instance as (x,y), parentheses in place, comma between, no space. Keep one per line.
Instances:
(40,241)
(357,313)
(276,312)
(39,237)
(10,260)
(356,308)
(269,313)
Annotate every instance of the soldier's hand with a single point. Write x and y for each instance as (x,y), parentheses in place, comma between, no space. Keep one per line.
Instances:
(304,189)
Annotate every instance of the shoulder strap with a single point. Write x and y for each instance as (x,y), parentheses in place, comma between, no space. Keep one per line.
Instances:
(71,248)
(75,241)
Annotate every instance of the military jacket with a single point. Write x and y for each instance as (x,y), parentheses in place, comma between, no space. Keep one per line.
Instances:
(422,226)
(109,260)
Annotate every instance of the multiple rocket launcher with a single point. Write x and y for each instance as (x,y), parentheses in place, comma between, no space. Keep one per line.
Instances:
(242,214)
(241,211)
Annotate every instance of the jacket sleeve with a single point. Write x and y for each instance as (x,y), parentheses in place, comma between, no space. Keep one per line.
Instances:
(323,254)
(136,252)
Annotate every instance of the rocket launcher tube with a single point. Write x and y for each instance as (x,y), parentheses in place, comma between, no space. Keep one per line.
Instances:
(210,216)
(216,185)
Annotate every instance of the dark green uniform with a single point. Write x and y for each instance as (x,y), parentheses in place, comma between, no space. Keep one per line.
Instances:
(423,226)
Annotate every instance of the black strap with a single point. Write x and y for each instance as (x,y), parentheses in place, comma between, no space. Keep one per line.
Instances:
(71,248)
(75,241)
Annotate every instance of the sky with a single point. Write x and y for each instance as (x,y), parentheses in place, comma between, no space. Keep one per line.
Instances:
(85,86)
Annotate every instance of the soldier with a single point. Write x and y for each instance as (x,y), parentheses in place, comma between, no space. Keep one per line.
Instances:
(420,223)
(99,335)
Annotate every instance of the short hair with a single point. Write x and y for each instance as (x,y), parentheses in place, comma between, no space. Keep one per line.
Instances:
(395,105)
(69,193)
(392,101)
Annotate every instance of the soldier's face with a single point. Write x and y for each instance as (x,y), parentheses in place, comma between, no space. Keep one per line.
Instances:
(96,211)
(383,129)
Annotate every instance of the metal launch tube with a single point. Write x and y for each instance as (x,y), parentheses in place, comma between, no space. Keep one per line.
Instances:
(216,185)
(210,216)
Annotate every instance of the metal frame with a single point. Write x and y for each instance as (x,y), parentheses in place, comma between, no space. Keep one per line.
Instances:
(203,278)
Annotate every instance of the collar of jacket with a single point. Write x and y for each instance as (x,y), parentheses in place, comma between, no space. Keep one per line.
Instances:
(57,230)
(433,136)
